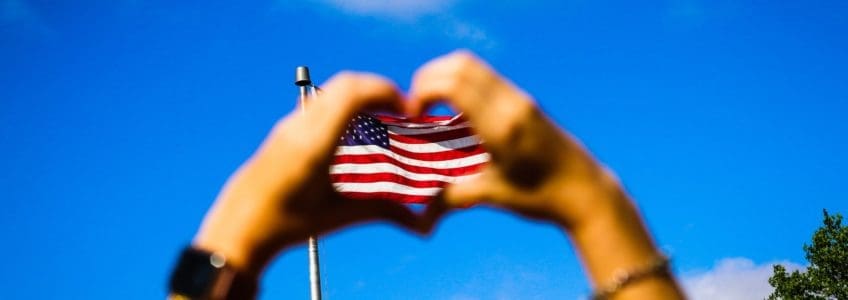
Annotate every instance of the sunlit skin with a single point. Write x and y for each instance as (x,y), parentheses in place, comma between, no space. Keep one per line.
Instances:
(283,194)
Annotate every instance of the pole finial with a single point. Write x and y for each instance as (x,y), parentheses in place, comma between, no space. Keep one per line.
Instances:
(301,76)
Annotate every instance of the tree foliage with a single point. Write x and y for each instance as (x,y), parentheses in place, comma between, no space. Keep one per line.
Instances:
(827,275)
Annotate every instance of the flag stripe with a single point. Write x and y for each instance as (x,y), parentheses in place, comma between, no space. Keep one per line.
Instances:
(437,146)
(417,131)
(363,169)
(421,122)
(389,177)
(431,137)
(435,156)
(368,159)
(408,171)
(383,186)
(366,154)
(404,160)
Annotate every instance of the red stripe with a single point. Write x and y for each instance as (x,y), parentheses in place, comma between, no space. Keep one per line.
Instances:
(382,158)
(420,120)
(385,177)
(403,198)
(432,137)
(441,155)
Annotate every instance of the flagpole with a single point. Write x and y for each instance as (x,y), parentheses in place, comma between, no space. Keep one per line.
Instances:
(304,82)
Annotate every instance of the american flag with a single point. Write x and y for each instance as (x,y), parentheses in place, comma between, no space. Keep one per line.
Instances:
(410,161)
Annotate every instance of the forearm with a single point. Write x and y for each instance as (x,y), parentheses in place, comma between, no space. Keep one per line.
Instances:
(614,239)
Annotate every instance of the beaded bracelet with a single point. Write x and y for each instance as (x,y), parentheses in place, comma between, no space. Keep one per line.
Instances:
(622,278)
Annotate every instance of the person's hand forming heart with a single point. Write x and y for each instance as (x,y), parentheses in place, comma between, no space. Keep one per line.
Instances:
(538,171)
(283,194)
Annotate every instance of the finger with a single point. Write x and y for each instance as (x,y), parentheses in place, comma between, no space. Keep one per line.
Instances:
(357,211)
(313,133)
(348,92)
(434,212)
(469,192)
(442,79)
(494,106)
(466,194)
(489,191)
(345,94)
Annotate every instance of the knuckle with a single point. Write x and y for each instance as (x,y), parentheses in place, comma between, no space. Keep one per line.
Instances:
(378,85)
(456,65)
(340,76)
(523,114)
(452,84)
(463,56)
(514,118)
(463,60)
(344,80)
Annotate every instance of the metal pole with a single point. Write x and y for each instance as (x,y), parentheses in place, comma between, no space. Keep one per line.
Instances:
(303,81)
(314,272)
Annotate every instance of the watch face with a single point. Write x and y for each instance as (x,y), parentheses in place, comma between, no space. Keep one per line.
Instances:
(195,273)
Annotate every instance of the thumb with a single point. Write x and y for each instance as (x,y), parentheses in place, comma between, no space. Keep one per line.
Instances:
(471,191)
(356,211)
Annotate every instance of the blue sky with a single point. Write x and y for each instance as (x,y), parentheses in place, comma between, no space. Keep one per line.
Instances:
(121,119)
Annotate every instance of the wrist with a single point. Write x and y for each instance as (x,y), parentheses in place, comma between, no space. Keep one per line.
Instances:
(618,243)
(588,195)
(227,236)
(596,213)
(202,274)
(238,254)
(609,233)
(234,228)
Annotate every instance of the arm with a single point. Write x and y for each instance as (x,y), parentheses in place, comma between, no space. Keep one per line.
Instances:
(273,202)
(541,172)
(276,199)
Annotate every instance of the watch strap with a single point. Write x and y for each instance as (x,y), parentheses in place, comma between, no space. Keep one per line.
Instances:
(200,274)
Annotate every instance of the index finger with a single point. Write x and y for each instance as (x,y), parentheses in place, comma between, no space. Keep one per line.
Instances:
(444,79)
(313,133)
(489,101)
(345,94)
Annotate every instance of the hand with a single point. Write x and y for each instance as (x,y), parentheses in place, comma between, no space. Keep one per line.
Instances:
(283,194)
(539,171)
(536,169)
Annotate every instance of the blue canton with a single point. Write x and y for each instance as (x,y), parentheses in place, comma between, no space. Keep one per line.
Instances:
(365,130)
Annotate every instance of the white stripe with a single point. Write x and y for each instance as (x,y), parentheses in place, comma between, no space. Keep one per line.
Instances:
(390,168)
(438,164)
(437,147)
(417,131)
(423,125)
(391,187)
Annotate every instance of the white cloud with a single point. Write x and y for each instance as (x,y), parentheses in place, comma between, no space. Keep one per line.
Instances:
(733,278)
(408,10)
(416,18)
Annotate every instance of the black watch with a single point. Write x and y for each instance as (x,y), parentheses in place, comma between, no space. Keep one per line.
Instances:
(201,274)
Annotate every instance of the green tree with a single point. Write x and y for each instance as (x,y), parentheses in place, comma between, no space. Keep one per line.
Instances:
(827,275)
